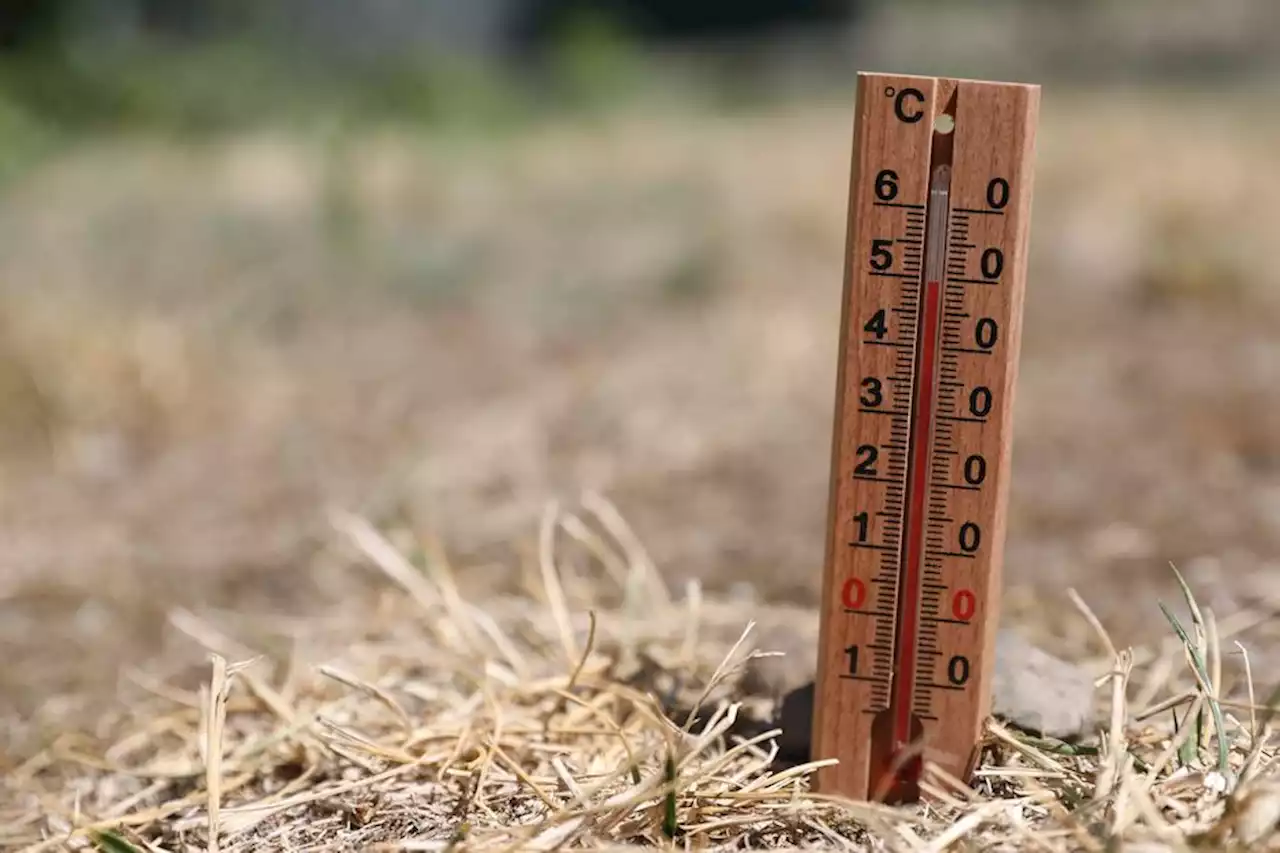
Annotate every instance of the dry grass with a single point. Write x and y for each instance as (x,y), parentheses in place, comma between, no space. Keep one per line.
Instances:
(600,709)
(190,369)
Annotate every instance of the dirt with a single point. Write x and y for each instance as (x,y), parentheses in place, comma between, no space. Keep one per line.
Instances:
(447,334)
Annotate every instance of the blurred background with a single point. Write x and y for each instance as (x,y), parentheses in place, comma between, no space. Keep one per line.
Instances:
(440,262)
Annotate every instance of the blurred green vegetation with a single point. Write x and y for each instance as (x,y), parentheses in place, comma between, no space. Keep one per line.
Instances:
(51,97)
(207,89)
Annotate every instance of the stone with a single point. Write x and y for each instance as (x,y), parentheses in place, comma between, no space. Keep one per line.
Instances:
(796,638)
(1032,690)
(1039,692)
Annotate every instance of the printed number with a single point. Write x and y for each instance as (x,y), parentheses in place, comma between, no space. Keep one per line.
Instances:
(997,193)
(864,523)
(964,604)
(881,257)
(980,401)
(874,395)
(866,468)
(853,594)
(957,670)
(970,537)
(876,325)
(887,185)
(992,263)
(852,653)
(985,333)
(975,470)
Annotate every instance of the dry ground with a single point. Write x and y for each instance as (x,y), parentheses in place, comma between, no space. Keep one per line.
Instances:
(206,347)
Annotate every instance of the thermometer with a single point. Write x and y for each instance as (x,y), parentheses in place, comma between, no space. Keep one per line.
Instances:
(931,317)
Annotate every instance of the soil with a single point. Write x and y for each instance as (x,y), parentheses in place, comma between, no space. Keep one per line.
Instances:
(447,334)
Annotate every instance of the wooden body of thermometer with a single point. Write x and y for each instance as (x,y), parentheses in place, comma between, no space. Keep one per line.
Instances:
(935,269)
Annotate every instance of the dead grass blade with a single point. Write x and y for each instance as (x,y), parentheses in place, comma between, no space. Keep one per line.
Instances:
(438,745)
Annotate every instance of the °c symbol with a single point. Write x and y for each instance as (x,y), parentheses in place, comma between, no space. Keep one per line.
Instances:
(900,105)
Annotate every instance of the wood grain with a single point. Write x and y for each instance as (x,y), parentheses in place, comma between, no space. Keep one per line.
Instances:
(949,683)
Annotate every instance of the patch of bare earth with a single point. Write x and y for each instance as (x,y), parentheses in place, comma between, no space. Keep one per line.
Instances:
(206,348)
(597,709)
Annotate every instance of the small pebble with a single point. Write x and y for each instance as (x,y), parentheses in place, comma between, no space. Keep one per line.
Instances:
(1040,693)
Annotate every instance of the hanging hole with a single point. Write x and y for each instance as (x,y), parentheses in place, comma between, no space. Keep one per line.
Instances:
(944,124)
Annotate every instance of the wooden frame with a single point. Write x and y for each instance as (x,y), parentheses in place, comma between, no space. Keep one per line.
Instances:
(930,332)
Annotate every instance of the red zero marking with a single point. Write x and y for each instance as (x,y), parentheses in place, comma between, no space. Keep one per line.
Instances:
(853,594)
(964,604)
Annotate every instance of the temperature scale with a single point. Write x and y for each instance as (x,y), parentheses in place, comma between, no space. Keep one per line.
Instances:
(931,318)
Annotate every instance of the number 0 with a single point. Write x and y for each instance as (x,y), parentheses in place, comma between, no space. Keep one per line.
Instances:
(958,670)
(853,594)
(964,604)
(992,263)
(985,333)
(997,193)
(975,469)
(980,401)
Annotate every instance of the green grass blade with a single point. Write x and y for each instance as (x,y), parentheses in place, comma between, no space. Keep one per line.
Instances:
(1190,747)
(1198,663)
(1197,618)
(670,823)
(109,842)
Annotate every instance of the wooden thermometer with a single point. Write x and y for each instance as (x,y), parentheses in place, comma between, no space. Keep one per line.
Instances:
(931,320)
